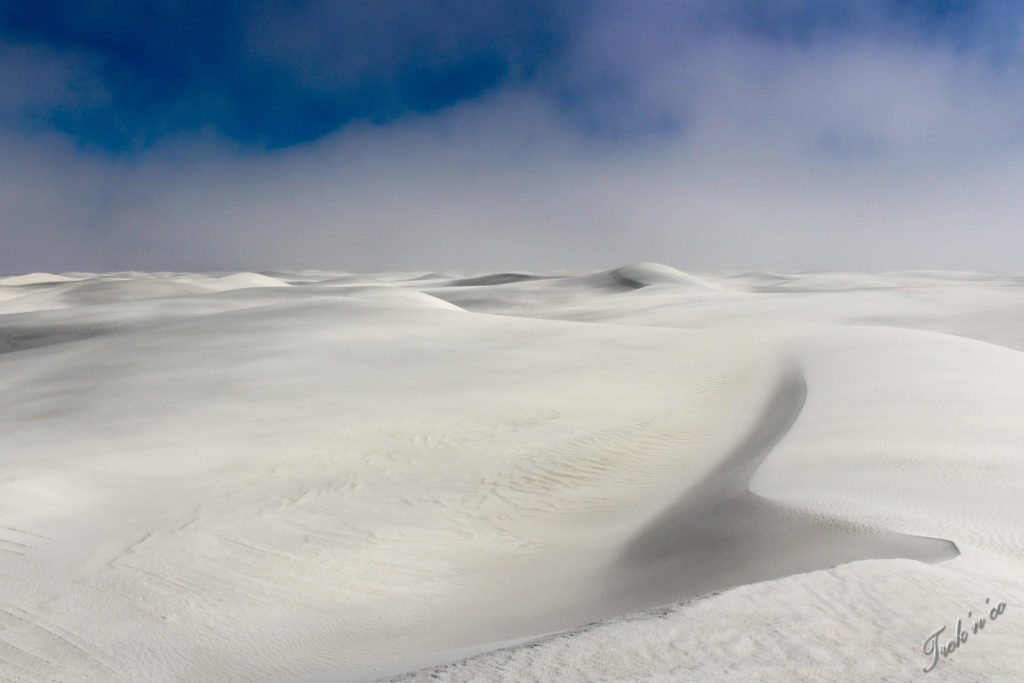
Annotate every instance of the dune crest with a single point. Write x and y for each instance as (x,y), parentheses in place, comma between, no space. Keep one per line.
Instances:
(647,274)
(32,279)
(244,280)
(399,296)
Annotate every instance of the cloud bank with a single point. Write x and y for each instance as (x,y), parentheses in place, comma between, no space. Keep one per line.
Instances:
(782,136)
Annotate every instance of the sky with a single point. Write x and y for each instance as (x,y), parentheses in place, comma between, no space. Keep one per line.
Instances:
(529,135)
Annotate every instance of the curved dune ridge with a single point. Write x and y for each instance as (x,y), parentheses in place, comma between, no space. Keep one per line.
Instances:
(47,292)
(242,281)
(402,297)
(555,295)
(32,279)
(719,534)
(494,279)
(639,275)
(647,274)
(343,479)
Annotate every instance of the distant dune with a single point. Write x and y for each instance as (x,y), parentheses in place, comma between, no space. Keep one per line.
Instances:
(31,279)
(645,274)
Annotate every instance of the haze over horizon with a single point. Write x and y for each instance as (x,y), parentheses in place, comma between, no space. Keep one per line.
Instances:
(257,134)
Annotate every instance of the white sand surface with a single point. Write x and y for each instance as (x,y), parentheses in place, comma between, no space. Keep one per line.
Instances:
(630,474)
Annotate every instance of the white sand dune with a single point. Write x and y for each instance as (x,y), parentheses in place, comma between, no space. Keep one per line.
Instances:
(740,476)
(902,432)
(241,281)
(647,274)
(398,296)
(529,294)
(494,279)
(32,279)
(118,287)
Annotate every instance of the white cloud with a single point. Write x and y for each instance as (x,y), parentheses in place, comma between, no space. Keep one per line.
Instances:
(858,154)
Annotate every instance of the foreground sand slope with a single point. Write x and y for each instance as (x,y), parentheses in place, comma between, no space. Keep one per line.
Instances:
(901,431)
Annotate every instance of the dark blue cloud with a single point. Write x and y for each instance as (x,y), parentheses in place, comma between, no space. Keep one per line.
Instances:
(802,21)
(275,73)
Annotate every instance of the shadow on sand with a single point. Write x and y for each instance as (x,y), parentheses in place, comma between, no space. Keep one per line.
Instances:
(720,535)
